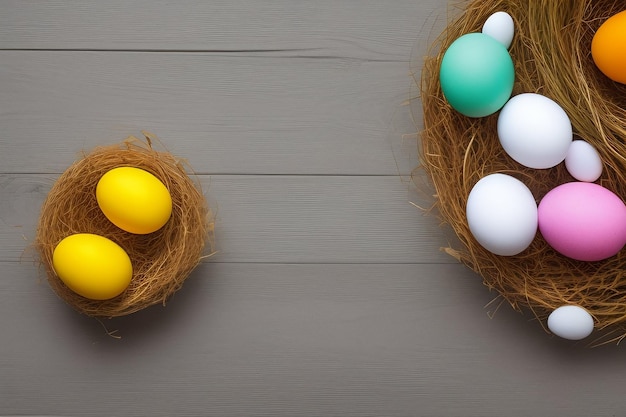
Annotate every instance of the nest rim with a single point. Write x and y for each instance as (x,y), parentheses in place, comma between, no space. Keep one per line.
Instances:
(552,55)
(162,260)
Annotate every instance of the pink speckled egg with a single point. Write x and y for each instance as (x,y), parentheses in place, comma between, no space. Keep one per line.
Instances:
(583,221)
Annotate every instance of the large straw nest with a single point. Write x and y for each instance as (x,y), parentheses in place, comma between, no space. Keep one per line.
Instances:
(161,260)
(551,50)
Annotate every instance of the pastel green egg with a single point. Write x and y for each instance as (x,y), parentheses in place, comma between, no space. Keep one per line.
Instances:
(477,75)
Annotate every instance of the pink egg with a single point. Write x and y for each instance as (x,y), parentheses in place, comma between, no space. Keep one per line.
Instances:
(583,221)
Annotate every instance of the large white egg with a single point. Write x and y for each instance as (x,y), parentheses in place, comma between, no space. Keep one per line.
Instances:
(583,161)
(502,214)
(500,27)
(534,130)
(570,322)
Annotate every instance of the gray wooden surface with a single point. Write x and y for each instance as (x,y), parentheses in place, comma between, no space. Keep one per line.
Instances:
(329,295)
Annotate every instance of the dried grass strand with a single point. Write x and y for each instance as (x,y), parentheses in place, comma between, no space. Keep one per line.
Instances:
(161,260)
(551,50)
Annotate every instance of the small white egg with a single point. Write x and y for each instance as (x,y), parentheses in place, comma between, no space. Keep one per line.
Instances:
(502,214)
(583,161)
(500,27)
(570,322)
(534,130)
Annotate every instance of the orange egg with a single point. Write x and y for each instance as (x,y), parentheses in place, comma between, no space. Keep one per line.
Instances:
(608,46)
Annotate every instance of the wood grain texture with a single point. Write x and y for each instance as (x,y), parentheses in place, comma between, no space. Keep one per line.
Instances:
(363,29)
(226,114)
(329,295)
(297,340)
(291,219)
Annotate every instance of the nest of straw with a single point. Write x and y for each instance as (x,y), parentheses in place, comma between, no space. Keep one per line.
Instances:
(161,260)
(551,50)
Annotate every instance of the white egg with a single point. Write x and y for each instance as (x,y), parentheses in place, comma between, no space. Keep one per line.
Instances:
(534,130)
(583,161)
(500,27)
(502,214)
(570,322)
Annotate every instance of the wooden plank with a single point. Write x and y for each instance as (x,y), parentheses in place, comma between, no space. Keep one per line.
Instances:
(297,340)
(364,29)
(226,114)
(291,219)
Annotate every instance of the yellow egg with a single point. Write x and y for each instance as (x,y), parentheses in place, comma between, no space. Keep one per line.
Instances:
(134,200)
(92,266)
(608,46)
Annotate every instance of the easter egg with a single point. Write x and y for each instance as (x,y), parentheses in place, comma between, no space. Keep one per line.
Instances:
(500,27)
(570,322)
(608,45)
(583,161)
(583,221)
(476,75)
(134,200)
(534,130)
(92,266)
(502,214)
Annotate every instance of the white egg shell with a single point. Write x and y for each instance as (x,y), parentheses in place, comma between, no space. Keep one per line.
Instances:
(570,322)
(502,214)
(583,161)
(500,27)
(534,130)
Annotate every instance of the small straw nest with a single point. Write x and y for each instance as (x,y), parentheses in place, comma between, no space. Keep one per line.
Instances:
(551,51)
(161,260)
